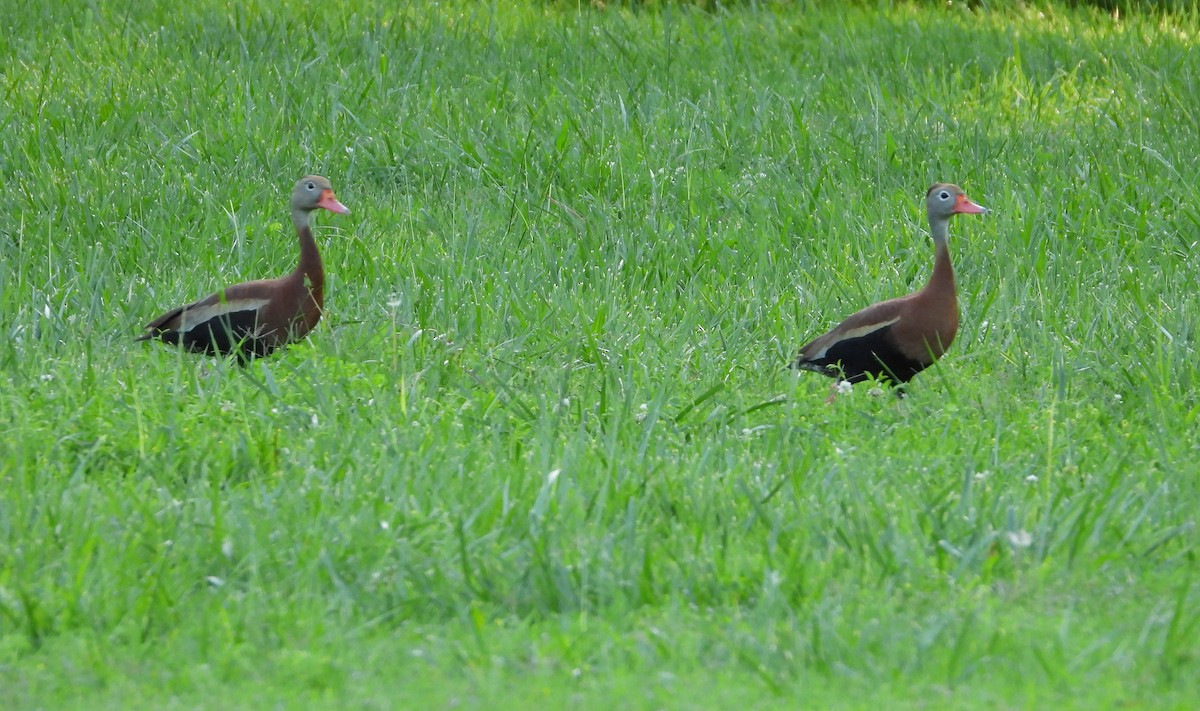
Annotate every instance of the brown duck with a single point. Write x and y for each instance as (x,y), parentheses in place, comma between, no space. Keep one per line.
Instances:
(253,319)
(894,340)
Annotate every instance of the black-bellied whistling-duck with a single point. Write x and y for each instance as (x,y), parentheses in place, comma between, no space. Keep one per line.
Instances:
(253,319)
(898,338)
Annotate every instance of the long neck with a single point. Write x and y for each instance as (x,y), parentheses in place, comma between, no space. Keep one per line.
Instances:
(310,269)
(942,278)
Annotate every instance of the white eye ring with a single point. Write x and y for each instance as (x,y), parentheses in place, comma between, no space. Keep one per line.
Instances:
(312,186)
(944,195)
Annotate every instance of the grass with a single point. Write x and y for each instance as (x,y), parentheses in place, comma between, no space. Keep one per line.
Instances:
(542,450)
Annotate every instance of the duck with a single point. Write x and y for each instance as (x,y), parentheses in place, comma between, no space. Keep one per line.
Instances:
(894,340)
(255,318)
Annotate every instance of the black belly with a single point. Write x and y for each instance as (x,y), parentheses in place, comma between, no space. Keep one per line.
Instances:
(236,333)
(874,355)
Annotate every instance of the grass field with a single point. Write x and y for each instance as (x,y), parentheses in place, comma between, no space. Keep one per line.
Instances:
(542,449)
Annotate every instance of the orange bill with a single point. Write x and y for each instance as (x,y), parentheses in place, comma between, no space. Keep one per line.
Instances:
(329,202)
(964,205)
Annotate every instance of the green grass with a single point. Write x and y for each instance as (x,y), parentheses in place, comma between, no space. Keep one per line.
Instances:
(542,449)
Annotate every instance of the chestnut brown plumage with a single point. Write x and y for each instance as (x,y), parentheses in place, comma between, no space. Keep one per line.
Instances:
(896,339)
(253,319)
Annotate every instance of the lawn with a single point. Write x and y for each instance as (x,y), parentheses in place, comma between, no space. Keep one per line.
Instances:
(542,450)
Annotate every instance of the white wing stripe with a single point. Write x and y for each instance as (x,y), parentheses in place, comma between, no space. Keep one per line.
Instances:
(191,318)
(851,334)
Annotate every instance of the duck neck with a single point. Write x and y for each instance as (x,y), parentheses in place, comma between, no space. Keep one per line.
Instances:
(309,270)
(942,278)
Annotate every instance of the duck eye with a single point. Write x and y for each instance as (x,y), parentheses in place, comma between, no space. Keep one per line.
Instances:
(312,186)
(944,195)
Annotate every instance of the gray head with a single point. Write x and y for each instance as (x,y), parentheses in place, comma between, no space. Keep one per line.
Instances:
(313,192)
(944,200)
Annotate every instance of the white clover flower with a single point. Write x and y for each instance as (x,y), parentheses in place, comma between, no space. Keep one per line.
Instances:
(1019,539)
